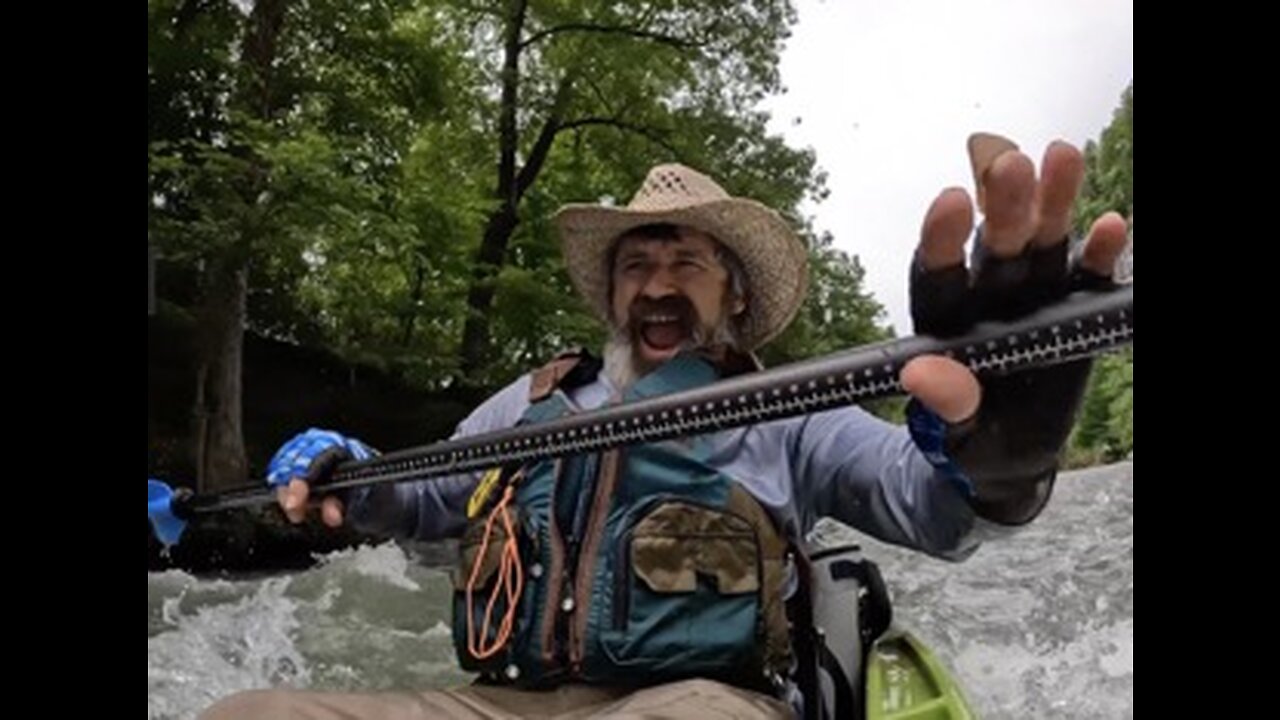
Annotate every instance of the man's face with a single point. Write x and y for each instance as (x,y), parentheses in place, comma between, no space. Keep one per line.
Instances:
(669,293)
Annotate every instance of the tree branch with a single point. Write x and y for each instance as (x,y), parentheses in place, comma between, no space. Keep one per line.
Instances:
(508,139)
(546,136)
(673,41)
(644,132)
(601,97)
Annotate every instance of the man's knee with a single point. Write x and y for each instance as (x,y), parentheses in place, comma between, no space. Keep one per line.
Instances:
(250,704)
(697,697)
(698,686)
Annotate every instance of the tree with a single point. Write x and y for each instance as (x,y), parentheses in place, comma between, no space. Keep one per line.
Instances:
(1105,426)
(378,178)
(680,76)
(1108,183)
(269,130)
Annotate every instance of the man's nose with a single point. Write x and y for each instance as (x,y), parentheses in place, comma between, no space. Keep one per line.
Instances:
(660,283)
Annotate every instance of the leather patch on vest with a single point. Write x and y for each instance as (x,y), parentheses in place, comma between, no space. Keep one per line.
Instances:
(568,370)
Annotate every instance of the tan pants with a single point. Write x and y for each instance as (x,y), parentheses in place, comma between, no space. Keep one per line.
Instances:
(685,699)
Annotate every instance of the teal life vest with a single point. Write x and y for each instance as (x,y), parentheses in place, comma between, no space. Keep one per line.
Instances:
(633,566)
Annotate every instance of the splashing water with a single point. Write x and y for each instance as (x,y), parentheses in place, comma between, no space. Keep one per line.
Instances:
(1039,624)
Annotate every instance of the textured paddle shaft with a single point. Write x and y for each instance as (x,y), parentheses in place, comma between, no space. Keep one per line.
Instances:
(1083,325)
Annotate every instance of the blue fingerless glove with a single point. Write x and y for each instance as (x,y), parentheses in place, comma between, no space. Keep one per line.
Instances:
(313,455)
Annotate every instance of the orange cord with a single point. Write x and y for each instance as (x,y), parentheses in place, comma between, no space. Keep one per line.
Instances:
(510,581)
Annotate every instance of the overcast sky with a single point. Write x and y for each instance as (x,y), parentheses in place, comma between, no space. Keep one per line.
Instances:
(886,93)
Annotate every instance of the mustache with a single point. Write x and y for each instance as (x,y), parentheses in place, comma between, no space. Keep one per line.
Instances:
(677,306)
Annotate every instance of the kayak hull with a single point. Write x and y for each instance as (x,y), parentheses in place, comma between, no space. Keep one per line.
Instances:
(906,681)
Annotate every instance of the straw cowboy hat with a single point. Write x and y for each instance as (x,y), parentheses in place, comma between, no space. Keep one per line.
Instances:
(773,257)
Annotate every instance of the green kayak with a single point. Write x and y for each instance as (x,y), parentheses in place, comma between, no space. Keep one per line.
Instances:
(905,681)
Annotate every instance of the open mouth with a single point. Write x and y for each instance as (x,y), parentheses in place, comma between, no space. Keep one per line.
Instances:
(662,331)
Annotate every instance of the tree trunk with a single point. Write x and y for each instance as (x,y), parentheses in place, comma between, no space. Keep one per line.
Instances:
(502,223)
(493,250)
(219,445)
(220,448)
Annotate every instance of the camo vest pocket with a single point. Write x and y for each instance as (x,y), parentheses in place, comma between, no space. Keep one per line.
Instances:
(687,591)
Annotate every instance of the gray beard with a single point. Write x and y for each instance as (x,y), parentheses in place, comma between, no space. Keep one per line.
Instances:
(622,364)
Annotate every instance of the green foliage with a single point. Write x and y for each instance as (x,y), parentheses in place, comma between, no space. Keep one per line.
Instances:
(1104,430)
(1108,183)
(356,179)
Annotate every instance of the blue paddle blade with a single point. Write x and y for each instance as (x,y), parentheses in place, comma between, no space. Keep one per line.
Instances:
(168,527)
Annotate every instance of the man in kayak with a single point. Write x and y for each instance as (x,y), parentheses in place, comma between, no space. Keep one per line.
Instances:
(661,580)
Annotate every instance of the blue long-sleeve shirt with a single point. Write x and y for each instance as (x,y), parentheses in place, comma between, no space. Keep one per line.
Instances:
(845,464)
